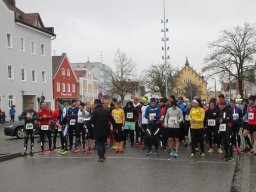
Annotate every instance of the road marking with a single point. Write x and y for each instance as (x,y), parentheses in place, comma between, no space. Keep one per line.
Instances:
(141,158)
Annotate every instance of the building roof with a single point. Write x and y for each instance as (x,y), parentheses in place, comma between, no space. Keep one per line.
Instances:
(56,63)
(29,19)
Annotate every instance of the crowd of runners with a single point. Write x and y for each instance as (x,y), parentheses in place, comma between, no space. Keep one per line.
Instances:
(154,125)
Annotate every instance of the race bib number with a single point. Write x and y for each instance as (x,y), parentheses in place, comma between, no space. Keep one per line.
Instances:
(29,126)
(80,120)
(186,117)
(211,122)
(251,116)
(222,127)
(59,129)
(235,116)
(129,115)
(45,127)
(72,122)
(116,117)
(173,120)
(152,116)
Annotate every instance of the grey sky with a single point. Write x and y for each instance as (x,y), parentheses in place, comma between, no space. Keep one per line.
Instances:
(84,28)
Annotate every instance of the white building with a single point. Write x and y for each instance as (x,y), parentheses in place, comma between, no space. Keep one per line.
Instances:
(25,49)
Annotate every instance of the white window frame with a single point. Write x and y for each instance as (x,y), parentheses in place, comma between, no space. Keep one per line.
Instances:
(63,87)
(63,72)
(25,74)
(43,79)
(73,88)
(22,44)
(34,75)
(42,50)
(68,72)
(58,86)
(9,41)
(33,47)
(11,101)
(68,88)
(12,71)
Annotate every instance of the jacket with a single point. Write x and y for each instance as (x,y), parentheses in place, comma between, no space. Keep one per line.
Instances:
(237,116)
(100,119)
(226,116)
(173,117)
(212,114)
(198,114)
(26,113)
(152,114)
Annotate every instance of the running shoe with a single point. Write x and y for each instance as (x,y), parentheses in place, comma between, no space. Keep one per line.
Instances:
(24,154)
(83,150)
(197,150)
(175,155)
(210,150)
(50,151)
(64,152)
(220,151)
(147,153)
(76,150)
(31,153)
(121,150)
(230,159)
(234,149)
(171,154)
(114,147)
(41,152)
(100,160)
(202,155)
(238,149)
(117,151)
(61,151)
(91,150)
(192,155)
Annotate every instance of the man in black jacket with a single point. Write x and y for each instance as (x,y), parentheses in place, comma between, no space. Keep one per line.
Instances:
(100,119)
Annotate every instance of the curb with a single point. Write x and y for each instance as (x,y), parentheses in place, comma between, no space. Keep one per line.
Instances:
(10,156)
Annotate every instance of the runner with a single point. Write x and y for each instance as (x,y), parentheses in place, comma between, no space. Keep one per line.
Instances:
(251,124)
(196,118)
(247,143)
(236,125)
(152,132)
(182,106)
(30,116)
(81,128)
(100,119)
(172,120)
(225,129)
(72,116)
(64,128)
(143,121)
(89,134)
(139,133)
(163,130)
(119,116)
(57,128)
(45,115)
(211,120)
(187,123)
(130,114)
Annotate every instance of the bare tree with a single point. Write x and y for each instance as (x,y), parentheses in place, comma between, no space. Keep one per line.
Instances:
(155,78)
(233,54)
(123,75)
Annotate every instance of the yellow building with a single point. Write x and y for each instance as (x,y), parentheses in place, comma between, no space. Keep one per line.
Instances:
(189,83)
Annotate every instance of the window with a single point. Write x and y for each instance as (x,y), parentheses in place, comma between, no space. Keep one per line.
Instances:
(33,76)
(68,88)
(23,74)
(58,87)
(73,88)
(63,71)
(68,72)
(63,87)
(43,77)
(22,44)
(11,100)
(9,40)
(187,80)
(42,50)
(10,72)
(33,47)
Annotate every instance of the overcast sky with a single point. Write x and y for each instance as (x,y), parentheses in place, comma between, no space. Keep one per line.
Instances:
(84,28)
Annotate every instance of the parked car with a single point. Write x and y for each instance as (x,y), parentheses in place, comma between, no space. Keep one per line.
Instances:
(17,129)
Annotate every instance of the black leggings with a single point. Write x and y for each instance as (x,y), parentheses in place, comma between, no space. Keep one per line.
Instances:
(71,130)
(55,134)
(42,134)
(236,139)
(163,136)
(212,131)
(80,129)
(227,142)
(197,136)
(118,132)
(29,133)
(152,133)
(12,118)
(139,133)
(63,138)
(131,133)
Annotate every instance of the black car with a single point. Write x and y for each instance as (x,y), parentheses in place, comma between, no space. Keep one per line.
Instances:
(17,129)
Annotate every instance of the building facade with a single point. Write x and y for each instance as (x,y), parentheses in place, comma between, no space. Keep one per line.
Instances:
(88,84)
(101,72)
(65,83)
(189,83)
(25,49)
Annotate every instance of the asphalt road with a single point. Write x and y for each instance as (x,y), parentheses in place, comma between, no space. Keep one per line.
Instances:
(129,172)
